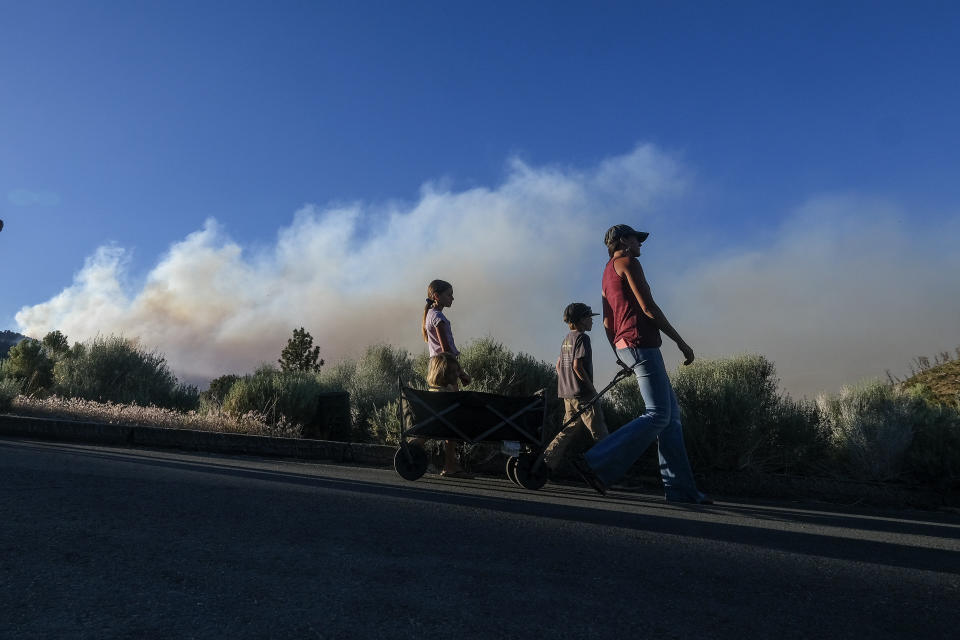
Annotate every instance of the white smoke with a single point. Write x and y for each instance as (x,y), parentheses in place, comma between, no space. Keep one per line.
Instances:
(842,291)
(845,291)
(516,255)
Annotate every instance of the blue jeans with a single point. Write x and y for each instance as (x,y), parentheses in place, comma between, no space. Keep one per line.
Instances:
(614,455)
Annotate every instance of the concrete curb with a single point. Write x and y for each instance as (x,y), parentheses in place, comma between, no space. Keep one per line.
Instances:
(192,440)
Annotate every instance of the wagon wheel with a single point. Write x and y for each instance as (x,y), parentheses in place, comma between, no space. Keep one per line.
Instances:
(527,477)
(512,470)
(410,461)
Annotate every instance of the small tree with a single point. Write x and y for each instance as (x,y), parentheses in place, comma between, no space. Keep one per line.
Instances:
(219,388)
(300,355)
(28,363)
(56,344)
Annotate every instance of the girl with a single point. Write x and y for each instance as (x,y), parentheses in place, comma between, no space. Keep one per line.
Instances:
(436,328)
(445,371)
(443,374)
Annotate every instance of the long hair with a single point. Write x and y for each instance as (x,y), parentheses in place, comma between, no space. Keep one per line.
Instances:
(444,370)
(614,245)
(434,289)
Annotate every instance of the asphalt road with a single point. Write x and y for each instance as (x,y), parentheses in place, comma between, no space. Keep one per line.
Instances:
(102,543)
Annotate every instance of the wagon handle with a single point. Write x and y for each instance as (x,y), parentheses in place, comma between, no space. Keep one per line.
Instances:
(625,372)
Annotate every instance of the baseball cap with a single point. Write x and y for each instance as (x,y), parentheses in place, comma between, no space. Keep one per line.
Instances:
(618,231)
(577,311)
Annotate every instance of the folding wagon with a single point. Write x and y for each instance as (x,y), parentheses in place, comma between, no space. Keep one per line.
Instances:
(473,417)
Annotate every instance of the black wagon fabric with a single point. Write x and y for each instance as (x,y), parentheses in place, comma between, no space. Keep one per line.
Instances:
(426,414)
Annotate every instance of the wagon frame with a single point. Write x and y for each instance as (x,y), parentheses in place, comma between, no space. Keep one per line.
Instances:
(472,417)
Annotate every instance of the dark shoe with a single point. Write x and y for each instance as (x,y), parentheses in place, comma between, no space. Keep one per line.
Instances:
(580,464)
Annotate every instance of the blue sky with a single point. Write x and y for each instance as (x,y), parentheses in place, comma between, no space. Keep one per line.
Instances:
(125,126)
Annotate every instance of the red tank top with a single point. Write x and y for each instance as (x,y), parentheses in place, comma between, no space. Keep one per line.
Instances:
(623,311)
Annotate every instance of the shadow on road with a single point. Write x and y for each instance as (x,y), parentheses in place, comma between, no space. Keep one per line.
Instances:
(656,516)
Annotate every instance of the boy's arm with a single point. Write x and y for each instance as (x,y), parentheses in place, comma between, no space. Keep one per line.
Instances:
(583,377)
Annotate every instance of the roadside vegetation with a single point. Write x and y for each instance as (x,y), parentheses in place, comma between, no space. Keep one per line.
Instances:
(736,418)
(250,423)
(939,379)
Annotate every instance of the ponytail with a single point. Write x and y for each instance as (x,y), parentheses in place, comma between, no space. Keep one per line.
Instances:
(423,325)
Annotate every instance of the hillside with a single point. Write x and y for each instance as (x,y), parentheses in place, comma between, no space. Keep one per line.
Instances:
(943,380)
(7,340)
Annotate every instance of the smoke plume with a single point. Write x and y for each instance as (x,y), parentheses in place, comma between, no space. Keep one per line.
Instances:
(841,290)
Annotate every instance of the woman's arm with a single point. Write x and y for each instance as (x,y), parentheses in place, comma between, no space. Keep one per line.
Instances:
(607,324)
(641,290)
(608,328)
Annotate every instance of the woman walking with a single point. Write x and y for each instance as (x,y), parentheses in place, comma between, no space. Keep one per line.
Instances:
(633,323)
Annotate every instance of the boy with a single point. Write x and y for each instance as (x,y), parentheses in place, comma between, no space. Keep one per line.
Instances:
(575,384)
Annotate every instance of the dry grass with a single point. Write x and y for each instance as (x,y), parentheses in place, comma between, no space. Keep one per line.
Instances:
(943,381)
(131,414)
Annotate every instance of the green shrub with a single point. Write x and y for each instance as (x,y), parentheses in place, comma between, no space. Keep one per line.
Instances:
(29,365)
(734,418)
(9,389)
(933,457)
(277,396)
(725,405)
(217,392)
(496,369)
(871,426)
(887,432)
(419,365)
(371,382)
(56,344)
(113,369)
(384,423)
(798,440)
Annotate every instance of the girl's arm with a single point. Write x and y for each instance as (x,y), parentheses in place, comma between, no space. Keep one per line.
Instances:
(442,339)
(444,345)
